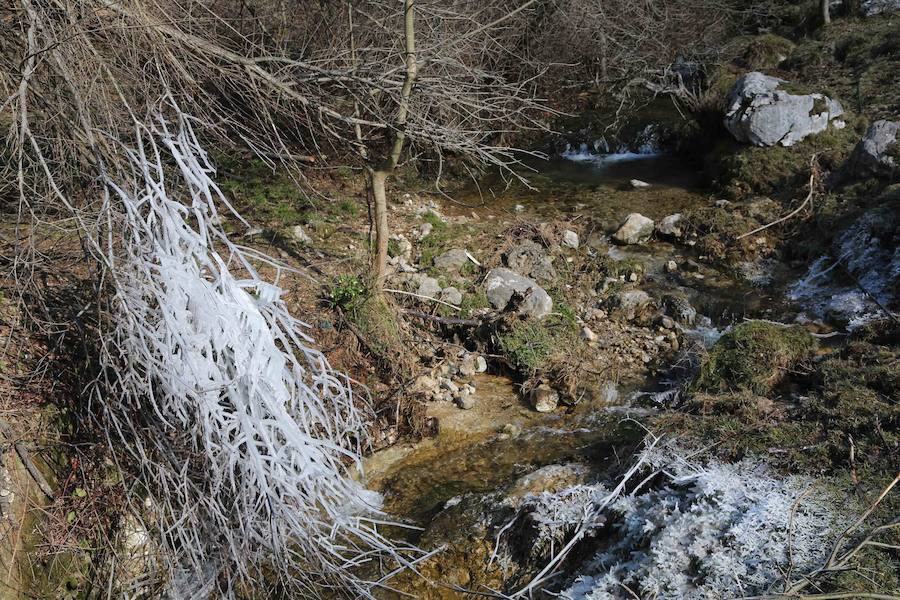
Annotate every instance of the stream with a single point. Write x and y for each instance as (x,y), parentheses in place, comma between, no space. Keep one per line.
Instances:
(486,450)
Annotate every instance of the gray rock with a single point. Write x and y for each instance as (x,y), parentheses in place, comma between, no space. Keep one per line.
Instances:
(425,229)
(679,308)
(629,304)
(451,295)
(543,398)
(761,114)
(570,239)
(500,284)
(871,8)
(466,401)
(529,259)
(588,335)
(637,183)
(872,156)
(299,235)
(451,260)
(480,364)
(429,287)
(636,229)
(671,226)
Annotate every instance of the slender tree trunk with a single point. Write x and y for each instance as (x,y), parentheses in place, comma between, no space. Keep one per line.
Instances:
(380,173)
(377,178)
(825,7)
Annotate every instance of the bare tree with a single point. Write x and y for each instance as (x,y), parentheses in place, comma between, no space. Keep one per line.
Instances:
(825,11)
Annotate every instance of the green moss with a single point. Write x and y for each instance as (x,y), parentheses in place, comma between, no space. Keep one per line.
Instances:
(754,356)
(777,170)
(529,345)
(766,51)
(472,301)
(377,325)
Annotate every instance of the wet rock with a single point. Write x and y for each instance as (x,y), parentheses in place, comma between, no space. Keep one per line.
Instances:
(552,478)
(451,260)
(529,259)
(872,155)
(543,398)
(500,284)
(637,184)
(760,113)
(636,229)
(570,239)
(299,235)
(451,295)
(428,287)
(679,308)
(671,226)
(629,304)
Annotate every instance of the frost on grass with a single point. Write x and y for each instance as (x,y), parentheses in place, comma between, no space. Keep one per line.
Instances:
(244,435)
(708,531)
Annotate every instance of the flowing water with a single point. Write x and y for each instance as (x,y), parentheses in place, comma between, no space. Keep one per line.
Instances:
(489,447)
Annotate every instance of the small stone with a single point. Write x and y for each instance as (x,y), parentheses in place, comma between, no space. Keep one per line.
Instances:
(465,401)
(451,295)
(480,364)
(450,386)
(543,398)
(637,184)
(299,235)
(670,226)
(429,287)
(570,239)
(425,229)
(671,266)
(635,230)
(632,277)
(667,322)
(518,208)
(588,335)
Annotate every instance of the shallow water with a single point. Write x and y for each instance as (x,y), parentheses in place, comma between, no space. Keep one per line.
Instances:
(488,448)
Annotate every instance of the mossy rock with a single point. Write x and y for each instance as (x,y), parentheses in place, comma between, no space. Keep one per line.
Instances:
(755,356)
(530,345)
(741,171)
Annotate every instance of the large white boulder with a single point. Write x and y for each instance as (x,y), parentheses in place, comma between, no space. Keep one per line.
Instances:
(761,114)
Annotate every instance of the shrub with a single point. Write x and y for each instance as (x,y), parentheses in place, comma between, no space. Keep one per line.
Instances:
(347,289)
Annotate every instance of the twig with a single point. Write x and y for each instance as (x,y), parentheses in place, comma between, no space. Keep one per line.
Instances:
(453,306)
(25,457)
(809,197)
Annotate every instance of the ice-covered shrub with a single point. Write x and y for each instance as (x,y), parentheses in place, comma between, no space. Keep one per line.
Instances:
(245,437)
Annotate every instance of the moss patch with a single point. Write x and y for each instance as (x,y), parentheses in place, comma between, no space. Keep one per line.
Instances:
(530,345)
(754,356)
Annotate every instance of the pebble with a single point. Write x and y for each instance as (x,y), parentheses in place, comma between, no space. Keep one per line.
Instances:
(588,335)
(671,266)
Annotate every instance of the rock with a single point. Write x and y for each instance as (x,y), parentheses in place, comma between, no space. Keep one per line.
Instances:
(570,239)
(451,295)
(451,260)
(428,287)
(518,208)
(465,400)
(480,364)
(679,308)
(666,322)
(529,259)
(467,366)
(543,398)
(629,304)
(761,114)
(636,229)
(450,386)
(552,478)
(870,8)
(299,235)
(670,226)
(671,266)
(404,247)
(609,393)
(872,155)
(588,335)
(500,284)
(637,184)
(425,229)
